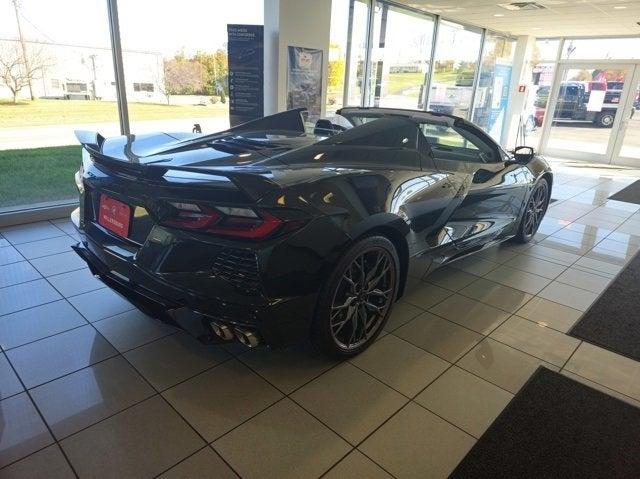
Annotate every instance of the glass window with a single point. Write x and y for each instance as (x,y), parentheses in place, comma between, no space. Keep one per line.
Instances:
(338,49)
(457,51)
(456,143)
(355,87)
(402,43)
(601,48)
(545,49)
(492,95)
(148,87)
(537,100)
(71,63)
(444,135)
(545,52)
(179,79)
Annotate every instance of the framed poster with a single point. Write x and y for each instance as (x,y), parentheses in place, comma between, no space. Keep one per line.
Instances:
(246,73)
(304,80)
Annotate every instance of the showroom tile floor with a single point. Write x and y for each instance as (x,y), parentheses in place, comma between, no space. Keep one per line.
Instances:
(91,387)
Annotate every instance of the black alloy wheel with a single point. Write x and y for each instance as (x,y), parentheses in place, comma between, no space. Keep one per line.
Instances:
(534,212)
(357,302)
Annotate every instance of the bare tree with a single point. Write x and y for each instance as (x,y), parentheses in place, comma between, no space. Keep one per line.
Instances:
(18,71)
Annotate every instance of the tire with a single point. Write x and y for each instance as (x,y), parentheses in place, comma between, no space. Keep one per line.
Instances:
(536,207)
(605,119)
(349,317)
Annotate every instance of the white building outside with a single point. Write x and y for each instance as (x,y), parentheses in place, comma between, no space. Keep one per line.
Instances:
(82,72)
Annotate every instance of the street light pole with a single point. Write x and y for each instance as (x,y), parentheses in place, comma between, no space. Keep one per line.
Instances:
(25,58)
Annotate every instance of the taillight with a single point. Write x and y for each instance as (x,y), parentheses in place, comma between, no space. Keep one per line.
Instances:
(192,217)
(237,222)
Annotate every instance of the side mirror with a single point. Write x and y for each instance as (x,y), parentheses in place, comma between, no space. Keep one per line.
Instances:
(523,154)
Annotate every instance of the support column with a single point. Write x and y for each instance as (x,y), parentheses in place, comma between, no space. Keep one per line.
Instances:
(299,23)
(520,75)
(118,69)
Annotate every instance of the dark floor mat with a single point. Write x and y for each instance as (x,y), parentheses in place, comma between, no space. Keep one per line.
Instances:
(558,427)
(613,321)
(630,194)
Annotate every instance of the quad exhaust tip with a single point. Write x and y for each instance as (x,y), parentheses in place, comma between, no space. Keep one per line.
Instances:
(248,338)
(223,331)
(245,336)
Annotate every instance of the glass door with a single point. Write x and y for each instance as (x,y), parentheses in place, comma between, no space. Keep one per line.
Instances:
(627,150)
(586,104)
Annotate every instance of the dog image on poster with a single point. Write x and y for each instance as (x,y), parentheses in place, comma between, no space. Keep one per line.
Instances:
(304,80)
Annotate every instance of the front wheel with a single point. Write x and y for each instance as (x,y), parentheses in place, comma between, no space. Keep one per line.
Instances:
(355,303)
(534,212)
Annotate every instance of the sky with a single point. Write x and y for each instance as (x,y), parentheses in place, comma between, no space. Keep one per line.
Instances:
(165,26)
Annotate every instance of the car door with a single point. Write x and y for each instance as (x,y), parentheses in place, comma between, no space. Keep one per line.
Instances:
(490,187)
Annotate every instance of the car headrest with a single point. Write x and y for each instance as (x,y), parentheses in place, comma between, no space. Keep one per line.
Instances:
(323,127)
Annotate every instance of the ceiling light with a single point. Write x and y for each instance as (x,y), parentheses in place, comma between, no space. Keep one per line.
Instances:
(498,14)
(620,7)
(536,28)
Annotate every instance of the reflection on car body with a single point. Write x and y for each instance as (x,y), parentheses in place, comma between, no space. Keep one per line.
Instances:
(268,234)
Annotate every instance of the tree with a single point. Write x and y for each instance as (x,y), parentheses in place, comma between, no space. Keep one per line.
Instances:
(335,75)
(182,77)
(18,71)
(215,68)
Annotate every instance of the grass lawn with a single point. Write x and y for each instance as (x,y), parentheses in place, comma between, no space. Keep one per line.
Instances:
(38,174)
(55,112)
(398,82)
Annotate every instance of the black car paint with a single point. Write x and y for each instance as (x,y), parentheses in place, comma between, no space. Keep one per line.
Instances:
(427,208)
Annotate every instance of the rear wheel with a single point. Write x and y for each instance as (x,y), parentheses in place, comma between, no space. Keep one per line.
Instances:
(605,119)
(534,212)
(356,301)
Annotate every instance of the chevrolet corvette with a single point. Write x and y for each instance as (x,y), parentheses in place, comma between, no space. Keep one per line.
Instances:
(269,234)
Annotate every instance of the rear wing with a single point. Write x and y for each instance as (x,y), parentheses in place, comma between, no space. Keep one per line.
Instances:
(255,184)
(90,139)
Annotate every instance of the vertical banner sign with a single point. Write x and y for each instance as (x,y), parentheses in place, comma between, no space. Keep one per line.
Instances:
(246,73)
(304,80)
(499,99)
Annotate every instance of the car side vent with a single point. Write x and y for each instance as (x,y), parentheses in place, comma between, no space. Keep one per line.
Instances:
(518,6)
(239,267)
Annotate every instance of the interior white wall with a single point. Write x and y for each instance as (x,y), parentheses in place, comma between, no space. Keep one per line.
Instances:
(299,23)
(520,75)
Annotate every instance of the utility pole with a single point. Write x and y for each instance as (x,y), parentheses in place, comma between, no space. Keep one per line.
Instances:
(92,57)
(25,58)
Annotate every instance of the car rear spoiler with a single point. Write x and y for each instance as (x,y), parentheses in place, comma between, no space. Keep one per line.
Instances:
(254,184)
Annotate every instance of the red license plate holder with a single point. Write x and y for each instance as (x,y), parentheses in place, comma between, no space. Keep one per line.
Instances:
(114,215)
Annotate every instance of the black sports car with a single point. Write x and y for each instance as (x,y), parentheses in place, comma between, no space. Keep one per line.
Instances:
(265,233)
